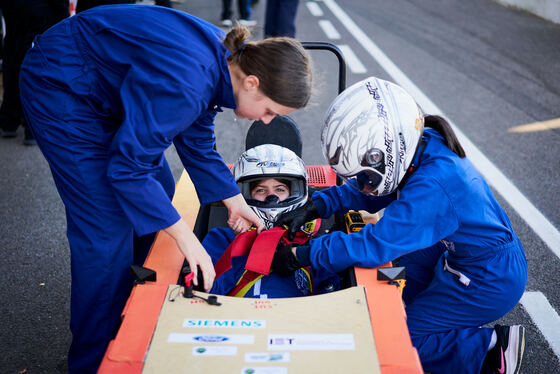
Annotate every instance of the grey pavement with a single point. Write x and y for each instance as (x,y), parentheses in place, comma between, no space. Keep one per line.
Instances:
(35,259)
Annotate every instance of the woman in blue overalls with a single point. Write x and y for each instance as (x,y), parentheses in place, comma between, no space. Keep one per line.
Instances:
(106,93)
(465,266)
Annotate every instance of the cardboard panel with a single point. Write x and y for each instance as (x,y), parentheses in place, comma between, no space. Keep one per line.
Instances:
(317,334)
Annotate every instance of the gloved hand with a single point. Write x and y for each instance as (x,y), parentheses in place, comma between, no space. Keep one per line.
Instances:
(296,218)
(284,262)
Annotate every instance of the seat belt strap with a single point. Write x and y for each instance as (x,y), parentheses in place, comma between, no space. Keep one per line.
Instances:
(245,283)
(249,278)
(261,247)
(262,252)
(240,246)
(264,246)
(307,271)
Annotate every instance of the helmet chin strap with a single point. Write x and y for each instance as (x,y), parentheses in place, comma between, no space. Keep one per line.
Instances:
(415,162)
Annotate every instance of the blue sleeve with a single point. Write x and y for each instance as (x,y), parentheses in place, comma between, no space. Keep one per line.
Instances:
(422,216)
(216,242)
(340,199)
(156,108)
(325,281)
(210,175)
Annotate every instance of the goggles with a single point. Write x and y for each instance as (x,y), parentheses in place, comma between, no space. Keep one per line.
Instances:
(366,181)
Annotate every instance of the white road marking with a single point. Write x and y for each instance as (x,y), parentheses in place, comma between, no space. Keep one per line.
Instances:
(537,126)
(544,316)
(352,61)
(329,29)
(527,211)
(314,9)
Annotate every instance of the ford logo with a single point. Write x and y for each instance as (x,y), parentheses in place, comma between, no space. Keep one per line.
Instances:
(211,338)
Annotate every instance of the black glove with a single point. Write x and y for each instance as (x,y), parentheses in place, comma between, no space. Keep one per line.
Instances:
(294,219)
(284,262)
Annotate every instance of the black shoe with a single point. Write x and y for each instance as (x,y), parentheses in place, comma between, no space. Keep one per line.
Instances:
(506,356)
(28,138)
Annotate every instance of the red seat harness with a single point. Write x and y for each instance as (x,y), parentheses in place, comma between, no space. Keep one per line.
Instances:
(260,248)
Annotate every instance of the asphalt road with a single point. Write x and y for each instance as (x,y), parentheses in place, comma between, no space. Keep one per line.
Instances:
(488,68)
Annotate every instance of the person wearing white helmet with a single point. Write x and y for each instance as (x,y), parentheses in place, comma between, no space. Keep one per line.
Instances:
(273,180)
(465,266)
(255,168)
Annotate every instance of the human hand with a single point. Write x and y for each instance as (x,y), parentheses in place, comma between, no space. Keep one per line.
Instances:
(284,262)
(296,218)
(196,256)
(194,253)
(240,216)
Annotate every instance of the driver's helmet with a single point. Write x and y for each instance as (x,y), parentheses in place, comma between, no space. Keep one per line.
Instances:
(370,135)
(271,161)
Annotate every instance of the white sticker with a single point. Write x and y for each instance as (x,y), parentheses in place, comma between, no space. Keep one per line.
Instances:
(311,342)
(263,370)
(227,323)
(214,350)
(210,338)
(267,357)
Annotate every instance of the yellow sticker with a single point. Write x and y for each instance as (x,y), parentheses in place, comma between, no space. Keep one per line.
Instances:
(309,227)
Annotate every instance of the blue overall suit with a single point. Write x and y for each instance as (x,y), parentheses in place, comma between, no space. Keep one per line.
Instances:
(271,286)
(465,266)
(106,92)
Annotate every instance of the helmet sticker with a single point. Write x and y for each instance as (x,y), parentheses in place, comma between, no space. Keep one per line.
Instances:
(402,148)
(270,164)
(381,113)
(389,164)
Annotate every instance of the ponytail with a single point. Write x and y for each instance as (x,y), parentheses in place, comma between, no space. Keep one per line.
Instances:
(444,129)
(281,64)
(235,40)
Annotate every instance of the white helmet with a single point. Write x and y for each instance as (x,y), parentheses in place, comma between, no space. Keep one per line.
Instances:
(271,161)
(370,135)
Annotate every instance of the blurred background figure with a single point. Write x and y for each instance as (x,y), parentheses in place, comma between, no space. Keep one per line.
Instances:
(87,4)
(166,3)
(280,18)
(24,19)
(245,13)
